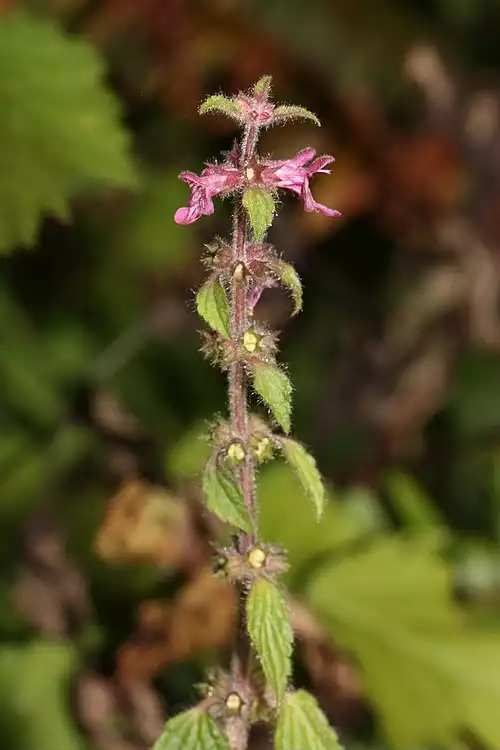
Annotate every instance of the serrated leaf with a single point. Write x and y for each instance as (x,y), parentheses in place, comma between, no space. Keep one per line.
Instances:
(260,206)
(220,103)
(224,496)
(271,633)
(289,277)
(212,305)
(293,112)
(263,86)
(391,606)
(59,130)
(191,730)
(273,385)
(307,472)
(302,724)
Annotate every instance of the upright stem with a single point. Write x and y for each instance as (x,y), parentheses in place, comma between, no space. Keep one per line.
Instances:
(238,413)
(238,410)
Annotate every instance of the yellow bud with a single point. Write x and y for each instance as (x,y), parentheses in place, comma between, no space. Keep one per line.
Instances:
(256,557)
(261,449)
(233,703)
(239,272)
(250,341)
(236,452)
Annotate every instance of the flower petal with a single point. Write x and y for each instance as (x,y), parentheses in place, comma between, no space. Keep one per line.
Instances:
(311,205)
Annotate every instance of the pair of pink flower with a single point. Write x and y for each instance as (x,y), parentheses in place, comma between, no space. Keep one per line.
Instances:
(289,174)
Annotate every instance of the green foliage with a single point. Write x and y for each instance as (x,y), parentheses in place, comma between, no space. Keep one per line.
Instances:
(293,112)
(413,506)
(302,724)
(274,387)
(269,627)
(305,467)
(59,128)
(289,277)
(193,730)
(427,669)
(34,683)
(142,237)
(260,207)
(222,105)
(212,305)
(263,86)
(224,496)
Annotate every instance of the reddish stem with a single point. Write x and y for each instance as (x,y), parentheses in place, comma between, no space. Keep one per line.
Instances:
(238,410)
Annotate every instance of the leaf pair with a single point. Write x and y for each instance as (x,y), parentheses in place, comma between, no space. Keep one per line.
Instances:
(269,381)
(301,725)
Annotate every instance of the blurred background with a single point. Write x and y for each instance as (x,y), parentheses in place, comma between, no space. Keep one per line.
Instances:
(109,614)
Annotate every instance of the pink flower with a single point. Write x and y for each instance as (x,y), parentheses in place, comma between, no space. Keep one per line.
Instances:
(289,174)
(213,181)
(294,174)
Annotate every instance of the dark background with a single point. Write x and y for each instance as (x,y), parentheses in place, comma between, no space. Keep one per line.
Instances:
(108,611)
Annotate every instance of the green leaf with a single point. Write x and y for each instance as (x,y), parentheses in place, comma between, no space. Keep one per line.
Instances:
(273,385)
(291,279)
(263,86)
(285,518)
(302,724)
(260,206)
(293,112)
(212,305)
(34,684)
(59,130)
(413,506)
(191,730)
(224,496)
(430,673)
(220,103)
(305,467)
(271,633)
(140,236)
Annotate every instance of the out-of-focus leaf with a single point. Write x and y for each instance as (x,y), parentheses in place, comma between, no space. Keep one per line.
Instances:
(59,128)
(147,238)
(34,691)
(144,524)
(391,607)
(287,520)
(474,401)
(414,507)
(200,618)
(185,459)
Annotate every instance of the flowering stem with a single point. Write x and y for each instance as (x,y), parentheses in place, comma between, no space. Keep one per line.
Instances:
(238,413)
(240,314)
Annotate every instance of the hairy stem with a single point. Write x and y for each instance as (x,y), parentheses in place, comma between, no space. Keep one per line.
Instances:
(238,412)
